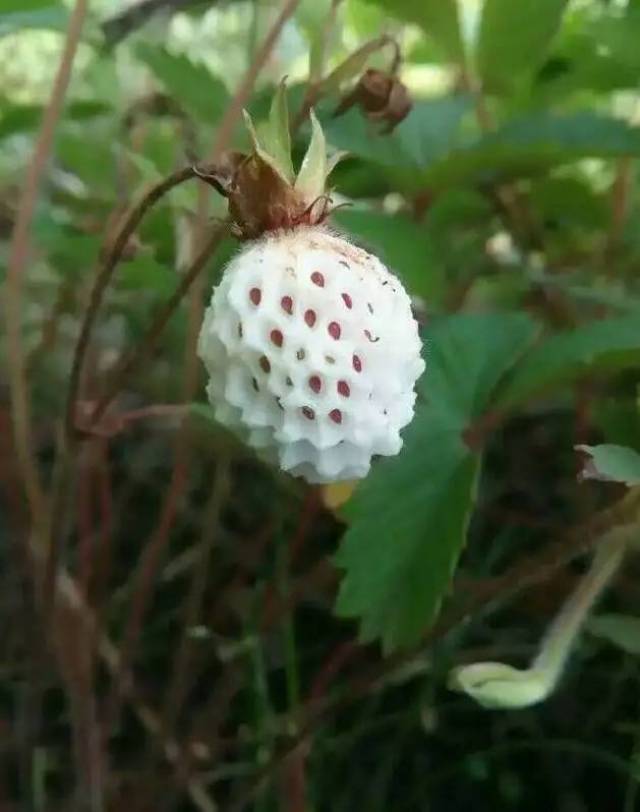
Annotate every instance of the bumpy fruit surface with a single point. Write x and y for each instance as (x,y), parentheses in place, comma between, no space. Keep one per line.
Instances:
(313,353)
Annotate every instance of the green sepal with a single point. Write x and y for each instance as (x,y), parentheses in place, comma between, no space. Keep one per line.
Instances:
(271,140)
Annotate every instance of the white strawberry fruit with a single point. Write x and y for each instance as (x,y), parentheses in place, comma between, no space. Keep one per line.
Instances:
(309,341)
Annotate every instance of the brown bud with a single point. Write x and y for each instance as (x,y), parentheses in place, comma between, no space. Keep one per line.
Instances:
(381,97)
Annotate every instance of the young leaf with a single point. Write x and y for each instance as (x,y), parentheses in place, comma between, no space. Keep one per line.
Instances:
(409,517)
(611,463)
(514,37)
(605,344)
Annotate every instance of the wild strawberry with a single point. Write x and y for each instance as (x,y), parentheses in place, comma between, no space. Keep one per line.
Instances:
(309,341)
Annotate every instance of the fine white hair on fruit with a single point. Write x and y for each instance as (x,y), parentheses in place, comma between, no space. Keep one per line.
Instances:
(313,353)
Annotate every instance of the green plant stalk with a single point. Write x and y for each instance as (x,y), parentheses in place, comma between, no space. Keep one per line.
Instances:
(561,635)
(500,686)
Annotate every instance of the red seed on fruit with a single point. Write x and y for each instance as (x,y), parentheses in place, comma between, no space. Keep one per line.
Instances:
(286,303)
(276,337)
(336,415)
(343,389)
(347,300)
(315,383)
(264,364)
(318,279)
(308,412)
(310,317)
(255,294)
(357,363)
(334,330)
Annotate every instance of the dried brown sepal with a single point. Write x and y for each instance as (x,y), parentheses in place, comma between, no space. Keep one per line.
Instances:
(381,97)
(259,199)
(263,190)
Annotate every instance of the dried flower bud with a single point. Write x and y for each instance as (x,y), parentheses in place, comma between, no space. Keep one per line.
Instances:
(381,97)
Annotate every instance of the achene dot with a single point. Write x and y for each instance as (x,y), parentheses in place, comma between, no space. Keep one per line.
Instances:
(265,365)
(255,294)
(315,383)
(276,337)
(334,330)
(310,317)
(357,363)
(343,389)
(318,279)
(286,303)
(347,300)
(336,415)
(308,412)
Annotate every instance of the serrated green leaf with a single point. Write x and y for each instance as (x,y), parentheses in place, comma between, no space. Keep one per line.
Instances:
(402,244)
(561,359)
(194,87)
(514,37)
(312,176)
(425,136)
(611,463)
(408,519)
(621,630)
(531,144)
(439,19)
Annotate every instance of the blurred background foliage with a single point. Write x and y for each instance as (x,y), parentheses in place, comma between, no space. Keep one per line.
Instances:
(199,661)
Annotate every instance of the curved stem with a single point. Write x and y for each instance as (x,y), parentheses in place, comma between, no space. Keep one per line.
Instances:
(103,277)
(130,361)
(18,258)
(557,643)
